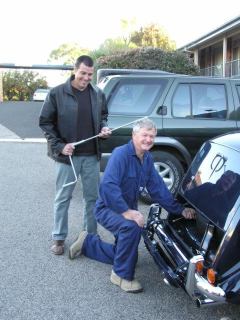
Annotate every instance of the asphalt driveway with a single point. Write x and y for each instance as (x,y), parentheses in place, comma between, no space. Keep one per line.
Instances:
(38,285)
(21,118)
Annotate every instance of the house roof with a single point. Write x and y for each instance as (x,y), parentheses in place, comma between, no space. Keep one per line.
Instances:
(220,31)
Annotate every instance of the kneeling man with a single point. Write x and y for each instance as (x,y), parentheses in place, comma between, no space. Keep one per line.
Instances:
(129,170)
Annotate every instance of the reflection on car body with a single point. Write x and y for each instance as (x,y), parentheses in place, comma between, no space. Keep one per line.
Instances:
(203,256)
(215,199)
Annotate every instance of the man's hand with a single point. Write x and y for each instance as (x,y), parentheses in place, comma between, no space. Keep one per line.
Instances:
(68,149)
(105,132)
(135,216)
(189,213)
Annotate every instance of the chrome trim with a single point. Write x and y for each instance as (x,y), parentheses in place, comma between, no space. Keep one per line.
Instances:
(207,302)
(173,244)
(207,237)
(208,290)
(166,281)
(197,284)
(164,250)
(190,283)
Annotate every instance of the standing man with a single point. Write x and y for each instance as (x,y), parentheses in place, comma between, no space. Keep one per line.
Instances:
(129,170)
(74,111)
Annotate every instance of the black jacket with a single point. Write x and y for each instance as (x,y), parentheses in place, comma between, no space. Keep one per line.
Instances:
(58,118)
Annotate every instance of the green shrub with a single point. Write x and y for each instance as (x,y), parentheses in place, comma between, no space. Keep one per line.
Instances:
(149,58)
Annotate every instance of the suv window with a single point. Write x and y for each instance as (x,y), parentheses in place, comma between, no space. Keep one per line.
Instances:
(200,101)
(181,103)
(136,97)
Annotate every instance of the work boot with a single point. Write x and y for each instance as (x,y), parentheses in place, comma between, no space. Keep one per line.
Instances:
(76,248)
(57,247)
(129,286)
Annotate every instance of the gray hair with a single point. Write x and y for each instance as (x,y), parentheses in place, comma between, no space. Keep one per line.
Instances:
(144,123)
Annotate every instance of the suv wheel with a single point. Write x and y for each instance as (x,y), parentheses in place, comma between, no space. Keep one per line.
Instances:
(169,168)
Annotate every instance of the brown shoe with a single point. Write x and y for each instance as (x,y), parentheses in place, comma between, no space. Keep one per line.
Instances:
(57,247)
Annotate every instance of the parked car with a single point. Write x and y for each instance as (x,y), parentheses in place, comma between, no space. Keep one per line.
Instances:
(188,110)
(202,256)
(40,94)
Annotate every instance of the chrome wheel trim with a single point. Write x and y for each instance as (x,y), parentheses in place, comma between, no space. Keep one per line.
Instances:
(165,172)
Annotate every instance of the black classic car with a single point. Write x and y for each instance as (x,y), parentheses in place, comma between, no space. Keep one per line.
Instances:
(203,255)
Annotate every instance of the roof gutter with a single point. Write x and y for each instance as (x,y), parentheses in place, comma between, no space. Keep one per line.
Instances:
(216,32)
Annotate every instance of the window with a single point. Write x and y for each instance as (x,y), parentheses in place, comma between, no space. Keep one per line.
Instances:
(209,101)
(200,100)
(137,97)
(181,104)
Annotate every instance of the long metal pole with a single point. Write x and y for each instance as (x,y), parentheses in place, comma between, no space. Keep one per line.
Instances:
(88,139)
(98,135)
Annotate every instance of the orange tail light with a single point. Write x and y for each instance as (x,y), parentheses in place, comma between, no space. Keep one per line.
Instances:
(199,267)
(211,276)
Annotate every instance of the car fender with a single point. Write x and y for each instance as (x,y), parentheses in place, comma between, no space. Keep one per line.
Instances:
(173,143)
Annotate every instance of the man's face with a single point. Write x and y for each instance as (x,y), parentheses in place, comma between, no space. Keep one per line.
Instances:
(143,139)
(83,76)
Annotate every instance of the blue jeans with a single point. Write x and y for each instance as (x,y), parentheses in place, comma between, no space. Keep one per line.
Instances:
(88,168)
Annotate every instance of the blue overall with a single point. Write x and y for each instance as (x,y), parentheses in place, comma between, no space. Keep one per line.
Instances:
(124,178)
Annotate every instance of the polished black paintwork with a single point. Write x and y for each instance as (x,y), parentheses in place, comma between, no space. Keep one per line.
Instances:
(212,187)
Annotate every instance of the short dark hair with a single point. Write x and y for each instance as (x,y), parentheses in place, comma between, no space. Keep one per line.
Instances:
(88,61)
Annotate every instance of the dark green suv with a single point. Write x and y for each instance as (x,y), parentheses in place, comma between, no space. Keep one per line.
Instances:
(187,110)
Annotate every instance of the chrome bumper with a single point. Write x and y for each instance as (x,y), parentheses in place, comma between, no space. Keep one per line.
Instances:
(196,284)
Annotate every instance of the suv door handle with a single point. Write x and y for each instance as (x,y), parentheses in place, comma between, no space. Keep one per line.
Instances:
(162,110)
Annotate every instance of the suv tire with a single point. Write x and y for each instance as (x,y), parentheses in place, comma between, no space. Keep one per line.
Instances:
(169,168)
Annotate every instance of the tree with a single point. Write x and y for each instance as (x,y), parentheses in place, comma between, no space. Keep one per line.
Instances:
(111,46)
(114,45)
(152,36)
(67,53)
(20,86)
(128,27)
